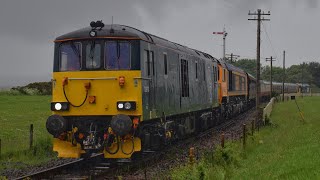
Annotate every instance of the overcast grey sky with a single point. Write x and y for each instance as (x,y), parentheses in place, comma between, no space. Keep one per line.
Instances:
(28,28)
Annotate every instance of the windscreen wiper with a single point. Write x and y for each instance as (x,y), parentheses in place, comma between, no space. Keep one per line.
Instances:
(76,51)
(92,49)
(118,54)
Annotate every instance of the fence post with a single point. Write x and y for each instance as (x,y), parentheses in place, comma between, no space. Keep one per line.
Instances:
(31,136)
(244,135)
(252,127)
(222,139)
(191,155)
(145,174)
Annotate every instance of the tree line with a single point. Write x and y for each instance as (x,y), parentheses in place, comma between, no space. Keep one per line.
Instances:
(36,88)
(307,72)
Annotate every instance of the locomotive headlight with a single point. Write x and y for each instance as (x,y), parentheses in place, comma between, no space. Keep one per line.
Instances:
(59,106)
(93,33)
(126,105)
(120,106)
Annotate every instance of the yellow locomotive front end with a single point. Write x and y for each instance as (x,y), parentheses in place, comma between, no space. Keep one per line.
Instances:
(97,94)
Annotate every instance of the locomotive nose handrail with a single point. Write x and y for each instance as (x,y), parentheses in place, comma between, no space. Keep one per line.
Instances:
(143,78)
(98,78)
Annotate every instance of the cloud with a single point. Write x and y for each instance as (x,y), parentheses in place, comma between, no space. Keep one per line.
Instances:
(28,28)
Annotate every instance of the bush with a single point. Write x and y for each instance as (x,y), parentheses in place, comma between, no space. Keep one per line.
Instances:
(36,88)
(10,92)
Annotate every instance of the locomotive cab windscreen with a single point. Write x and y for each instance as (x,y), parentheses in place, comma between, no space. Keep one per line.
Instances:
(96,55)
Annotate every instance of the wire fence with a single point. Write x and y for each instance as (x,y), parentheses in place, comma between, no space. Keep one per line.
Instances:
(23,140)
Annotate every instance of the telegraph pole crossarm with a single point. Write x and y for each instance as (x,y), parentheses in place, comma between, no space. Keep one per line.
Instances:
(232,57)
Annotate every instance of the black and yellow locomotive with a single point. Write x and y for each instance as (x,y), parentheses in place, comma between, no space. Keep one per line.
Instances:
(119,90)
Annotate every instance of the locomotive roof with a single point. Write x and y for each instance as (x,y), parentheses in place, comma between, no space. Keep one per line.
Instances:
(121,31)
(231,67)
(251,77)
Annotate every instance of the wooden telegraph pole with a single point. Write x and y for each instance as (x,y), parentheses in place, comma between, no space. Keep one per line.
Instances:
(284,74)
(257,17)
(270,59)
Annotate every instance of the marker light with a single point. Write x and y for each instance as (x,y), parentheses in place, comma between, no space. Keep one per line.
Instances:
(121,81)
(58,106)
(127,105)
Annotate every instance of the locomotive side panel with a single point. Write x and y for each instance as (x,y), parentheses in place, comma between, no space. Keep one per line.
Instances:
(185,85)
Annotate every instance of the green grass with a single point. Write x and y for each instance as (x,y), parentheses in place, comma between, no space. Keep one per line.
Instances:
(286,149)
(16,114)
(290,148)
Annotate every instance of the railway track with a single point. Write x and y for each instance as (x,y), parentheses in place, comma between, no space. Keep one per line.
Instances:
(52,171)
(97,167)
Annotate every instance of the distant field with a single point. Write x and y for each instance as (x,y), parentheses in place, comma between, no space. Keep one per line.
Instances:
(286,149)
(16,114)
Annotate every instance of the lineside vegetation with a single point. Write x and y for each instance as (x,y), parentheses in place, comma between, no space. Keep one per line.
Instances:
(16,114)
(286,149)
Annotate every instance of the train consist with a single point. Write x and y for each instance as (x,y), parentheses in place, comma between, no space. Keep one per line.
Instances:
(119,90)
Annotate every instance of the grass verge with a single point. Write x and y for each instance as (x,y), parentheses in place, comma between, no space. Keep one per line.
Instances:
(286,149)
(16,114)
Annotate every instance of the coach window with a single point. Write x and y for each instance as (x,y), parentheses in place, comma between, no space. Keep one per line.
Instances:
(147,60)
(93,55)
(218,74)
(152,61)
(243,83)
(231,81)
(70,57)
(184,78)
(213,74)
(196,70)
(223,75)
(240,83)
(117,55)
(165,61)
(204,71)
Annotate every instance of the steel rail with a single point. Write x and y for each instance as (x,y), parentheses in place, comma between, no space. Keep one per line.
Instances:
(55,168)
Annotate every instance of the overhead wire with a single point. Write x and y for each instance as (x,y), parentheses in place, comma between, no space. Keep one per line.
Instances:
(272,48)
